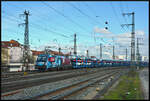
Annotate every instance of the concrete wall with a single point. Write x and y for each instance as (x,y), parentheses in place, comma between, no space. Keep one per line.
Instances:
(18,67)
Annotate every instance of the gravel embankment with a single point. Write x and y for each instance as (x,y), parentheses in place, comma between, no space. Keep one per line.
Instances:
(32,91)
(144,77)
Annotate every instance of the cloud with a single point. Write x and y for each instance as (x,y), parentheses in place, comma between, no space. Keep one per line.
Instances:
(107,53)
(125,38)
(139,33)
(101,30)
(97,47)
(122,39)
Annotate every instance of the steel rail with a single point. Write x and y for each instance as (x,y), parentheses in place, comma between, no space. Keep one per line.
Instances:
(29,76)
(76,87)
(9,86)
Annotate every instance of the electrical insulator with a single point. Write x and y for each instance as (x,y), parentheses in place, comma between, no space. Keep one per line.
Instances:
(106,28)
(106,22)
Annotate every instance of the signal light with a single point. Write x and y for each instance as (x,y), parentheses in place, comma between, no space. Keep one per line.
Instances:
(106,28)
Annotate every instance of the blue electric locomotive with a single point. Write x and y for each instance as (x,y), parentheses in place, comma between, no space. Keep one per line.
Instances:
(48,61)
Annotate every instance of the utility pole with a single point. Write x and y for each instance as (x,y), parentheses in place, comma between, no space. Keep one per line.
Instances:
(126,54)
(132,35)
(59,49)
(46,50)
(75,47)
(113,52)
(70,53)
(137,54)
(87,53)
(100,51)
(137,51)
(26,41)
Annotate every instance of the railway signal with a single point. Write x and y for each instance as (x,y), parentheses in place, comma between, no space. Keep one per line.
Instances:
(106,24)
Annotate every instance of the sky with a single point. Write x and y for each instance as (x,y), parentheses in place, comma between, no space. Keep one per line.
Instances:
(55,23)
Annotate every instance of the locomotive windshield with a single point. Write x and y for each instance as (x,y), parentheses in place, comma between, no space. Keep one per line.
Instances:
(41,59)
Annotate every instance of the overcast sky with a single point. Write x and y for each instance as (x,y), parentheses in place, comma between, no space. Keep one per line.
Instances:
(55,23)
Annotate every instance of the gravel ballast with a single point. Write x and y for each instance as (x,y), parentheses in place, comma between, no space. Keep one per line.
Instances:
(144,77)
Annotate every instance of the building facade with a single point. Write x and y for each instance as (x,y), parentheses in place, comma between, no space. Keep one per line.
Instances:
(5,56)
(144,58)
(15,51)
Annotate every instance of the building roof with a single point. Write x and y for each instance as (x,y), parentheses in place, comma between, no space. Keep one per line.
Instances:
(37,52)
(14,43)
(93,56)
(34,52)
(11,43)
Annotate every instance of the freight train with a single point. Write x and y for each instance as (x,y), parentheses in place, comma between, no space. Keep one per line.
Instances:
(49,62)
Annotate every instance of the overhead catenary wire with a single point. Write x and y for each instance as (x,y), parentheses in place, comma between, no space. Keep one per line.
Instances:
(92,11)
(127,7)
(58,28)
(32,26)
(47,17)
(115,13)
(122,11)
(40,27)
(57,33)
(79,10)
(46,29)
(37,26)
(69,19)
(66,18)
(41,18)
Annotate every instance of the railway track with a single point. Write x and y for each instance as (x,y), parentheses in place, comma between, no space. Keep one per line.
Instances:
(95,90)
(29,81)
(17,74)
(67,91)
(37,75)
(84,78)
(9,75)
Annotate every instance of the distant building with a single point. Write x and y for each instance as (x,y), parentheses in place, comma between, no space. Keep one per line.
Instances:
(5,56)
(122,57)
(144,58)
(15,50)
(12,52)
(93,56)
